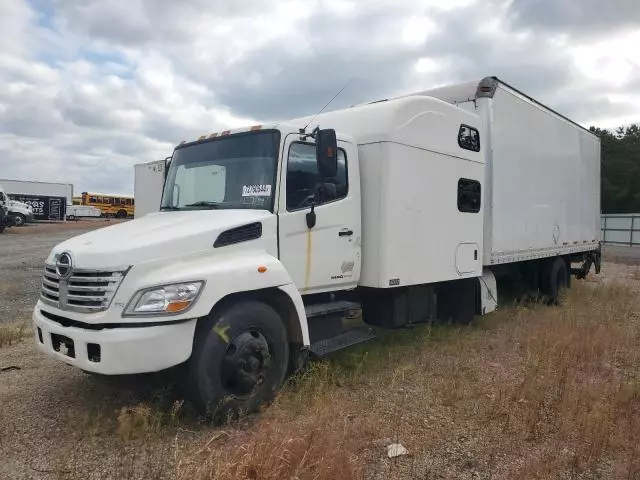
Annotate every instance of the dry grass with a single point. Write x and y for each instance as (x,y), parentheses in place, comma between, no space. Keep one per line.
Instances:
(529,392)
(7,289)
(14,333)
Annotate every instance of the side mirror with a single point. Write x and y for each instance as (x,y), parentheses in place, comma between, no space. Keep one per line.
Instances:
(327,152)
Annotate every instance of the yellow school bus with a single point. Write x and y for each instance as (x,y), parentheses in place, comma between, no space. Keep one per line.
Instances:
(121,206)
(77,200)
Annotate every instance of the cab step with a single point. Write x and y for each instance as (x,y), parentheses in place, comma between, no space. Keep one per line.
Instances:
(347,339)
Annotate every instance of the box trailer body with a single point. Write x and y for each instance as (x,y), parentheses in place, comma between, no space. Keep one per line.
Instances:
(148,183)
(48,189)
(542,187)
(48,200)
(271,239)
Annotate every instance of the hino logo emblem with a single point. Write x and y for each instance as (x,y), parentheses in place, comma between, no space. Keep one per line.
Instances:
(64,266)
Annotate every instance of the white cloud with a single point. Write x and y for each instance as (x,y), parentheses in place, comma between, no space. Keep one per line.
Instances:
(89,88)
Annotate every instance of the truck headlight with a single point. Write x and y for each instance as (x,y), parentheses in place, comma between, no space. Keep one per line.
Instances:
(168,299)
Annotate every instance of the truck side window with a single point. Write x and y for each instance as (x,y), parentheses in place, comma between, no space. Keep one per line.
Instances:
(469,195)
(469,138)
(303,184)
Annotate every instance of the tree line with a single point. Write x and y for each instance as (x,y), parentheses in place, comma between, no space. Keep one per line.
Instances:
(620,169)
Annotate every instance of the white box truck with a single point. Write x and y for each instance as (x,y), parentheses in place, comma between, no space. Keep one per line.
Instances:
(271,240)
(148,183)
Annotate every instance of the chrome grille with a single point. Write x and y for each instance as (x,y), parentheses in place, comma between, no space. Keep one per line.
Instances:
(83,291)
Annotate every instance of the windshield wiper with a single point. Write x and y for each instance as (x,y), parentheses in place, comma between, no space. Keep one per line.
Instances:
(168,207)
(204,203)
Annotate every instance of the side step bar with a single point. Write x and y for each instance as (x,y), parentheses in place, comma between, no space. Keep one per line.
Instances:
(344,340)
(335,325)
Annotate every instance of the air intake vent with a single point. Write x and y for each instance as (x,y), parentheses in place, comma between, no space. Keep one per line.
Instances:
(239,234)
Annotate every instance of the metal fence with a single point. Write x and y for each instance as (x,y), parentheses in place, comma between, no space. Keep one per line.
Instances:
(620,229)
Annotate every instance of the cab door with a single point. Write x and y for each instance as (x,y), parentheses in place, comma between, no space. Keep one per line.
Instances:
(325,257)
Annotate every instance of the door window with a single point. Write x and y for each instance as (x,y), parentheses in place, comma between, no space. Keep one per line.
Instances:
(304,185)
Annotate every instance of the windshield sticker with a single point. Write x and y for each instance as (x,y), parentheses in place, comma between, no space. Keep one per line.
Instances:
(256,190)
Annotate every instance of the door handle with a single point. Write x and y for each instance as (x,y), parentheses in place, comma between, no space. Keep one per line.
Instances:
(345,233)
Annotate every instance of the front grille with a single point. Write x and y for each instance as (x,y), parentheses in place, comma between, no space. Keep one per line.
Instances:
(83,291)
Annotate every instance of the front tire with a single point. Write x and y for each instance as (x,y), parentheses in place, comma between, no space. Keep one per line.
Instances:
(19,220)
(239,361)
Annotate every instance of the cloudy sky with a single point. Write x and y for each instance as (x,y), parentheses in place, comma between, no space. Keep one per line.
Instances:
(88,88)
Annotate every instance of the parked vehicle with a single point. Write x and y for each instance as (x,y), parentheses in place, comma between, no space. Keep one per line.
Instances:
(5,220)
(149,180)
(111,205)
(271,240)
(75,212)
(18,213)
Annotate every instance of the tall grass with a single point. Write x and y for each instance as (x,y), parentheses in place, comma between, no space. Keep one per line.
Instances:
(529,392)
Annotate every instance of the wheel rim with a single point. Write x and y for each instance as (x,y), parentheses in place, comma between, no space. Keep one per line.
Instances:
(19,221)
(246,363)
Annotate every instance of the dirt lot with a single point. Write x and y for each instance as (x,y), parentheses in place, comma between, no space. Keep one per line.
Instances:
(23,251)
(481,402)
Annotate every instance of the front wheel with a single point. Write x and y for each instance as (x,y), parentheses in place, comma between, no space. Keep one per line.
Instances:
(239,361)
(19,220)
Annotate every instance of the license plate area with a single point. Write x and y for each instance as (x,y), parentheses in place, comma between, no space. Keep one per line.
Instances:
(63,345)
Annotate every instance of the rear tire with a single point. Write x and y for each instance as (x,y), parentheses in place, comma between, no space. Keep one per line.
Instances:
(555,279)
(121,214)
(239,360)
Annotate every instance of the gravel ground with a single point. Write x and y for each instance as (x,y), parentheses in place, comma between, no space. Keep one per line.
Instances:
(23,251)
(57,422)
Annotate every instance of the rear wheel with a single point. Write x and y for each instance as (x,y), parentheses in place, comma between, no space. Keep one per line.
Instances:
(121,214)
(239,360)
(555,279)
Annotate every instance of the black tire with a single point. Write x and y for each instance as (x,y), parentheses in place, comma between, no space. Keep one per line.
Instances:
(239,361)
(555,279)
(121,214)
(19,220)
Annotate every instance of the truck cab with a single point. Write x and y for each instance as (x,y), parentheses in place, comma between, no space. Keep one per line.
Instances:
(5,220)
(18,213)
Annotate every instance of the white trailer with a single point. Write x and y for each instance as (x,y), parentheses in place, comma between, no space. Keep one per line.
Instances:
(75,212)
(270,239)
(149,179)
(48,189)
(47,200)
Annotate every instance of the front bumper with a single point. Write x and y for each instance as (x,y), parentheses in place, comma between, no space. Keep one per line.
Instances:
(116,351)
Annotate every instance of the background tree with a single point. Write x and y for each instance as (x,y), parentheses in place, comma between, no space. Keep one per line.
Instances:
(620,172)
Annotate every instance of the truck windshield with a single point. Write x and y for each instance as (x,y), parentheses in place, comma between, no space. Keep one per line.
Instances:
(237,171)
